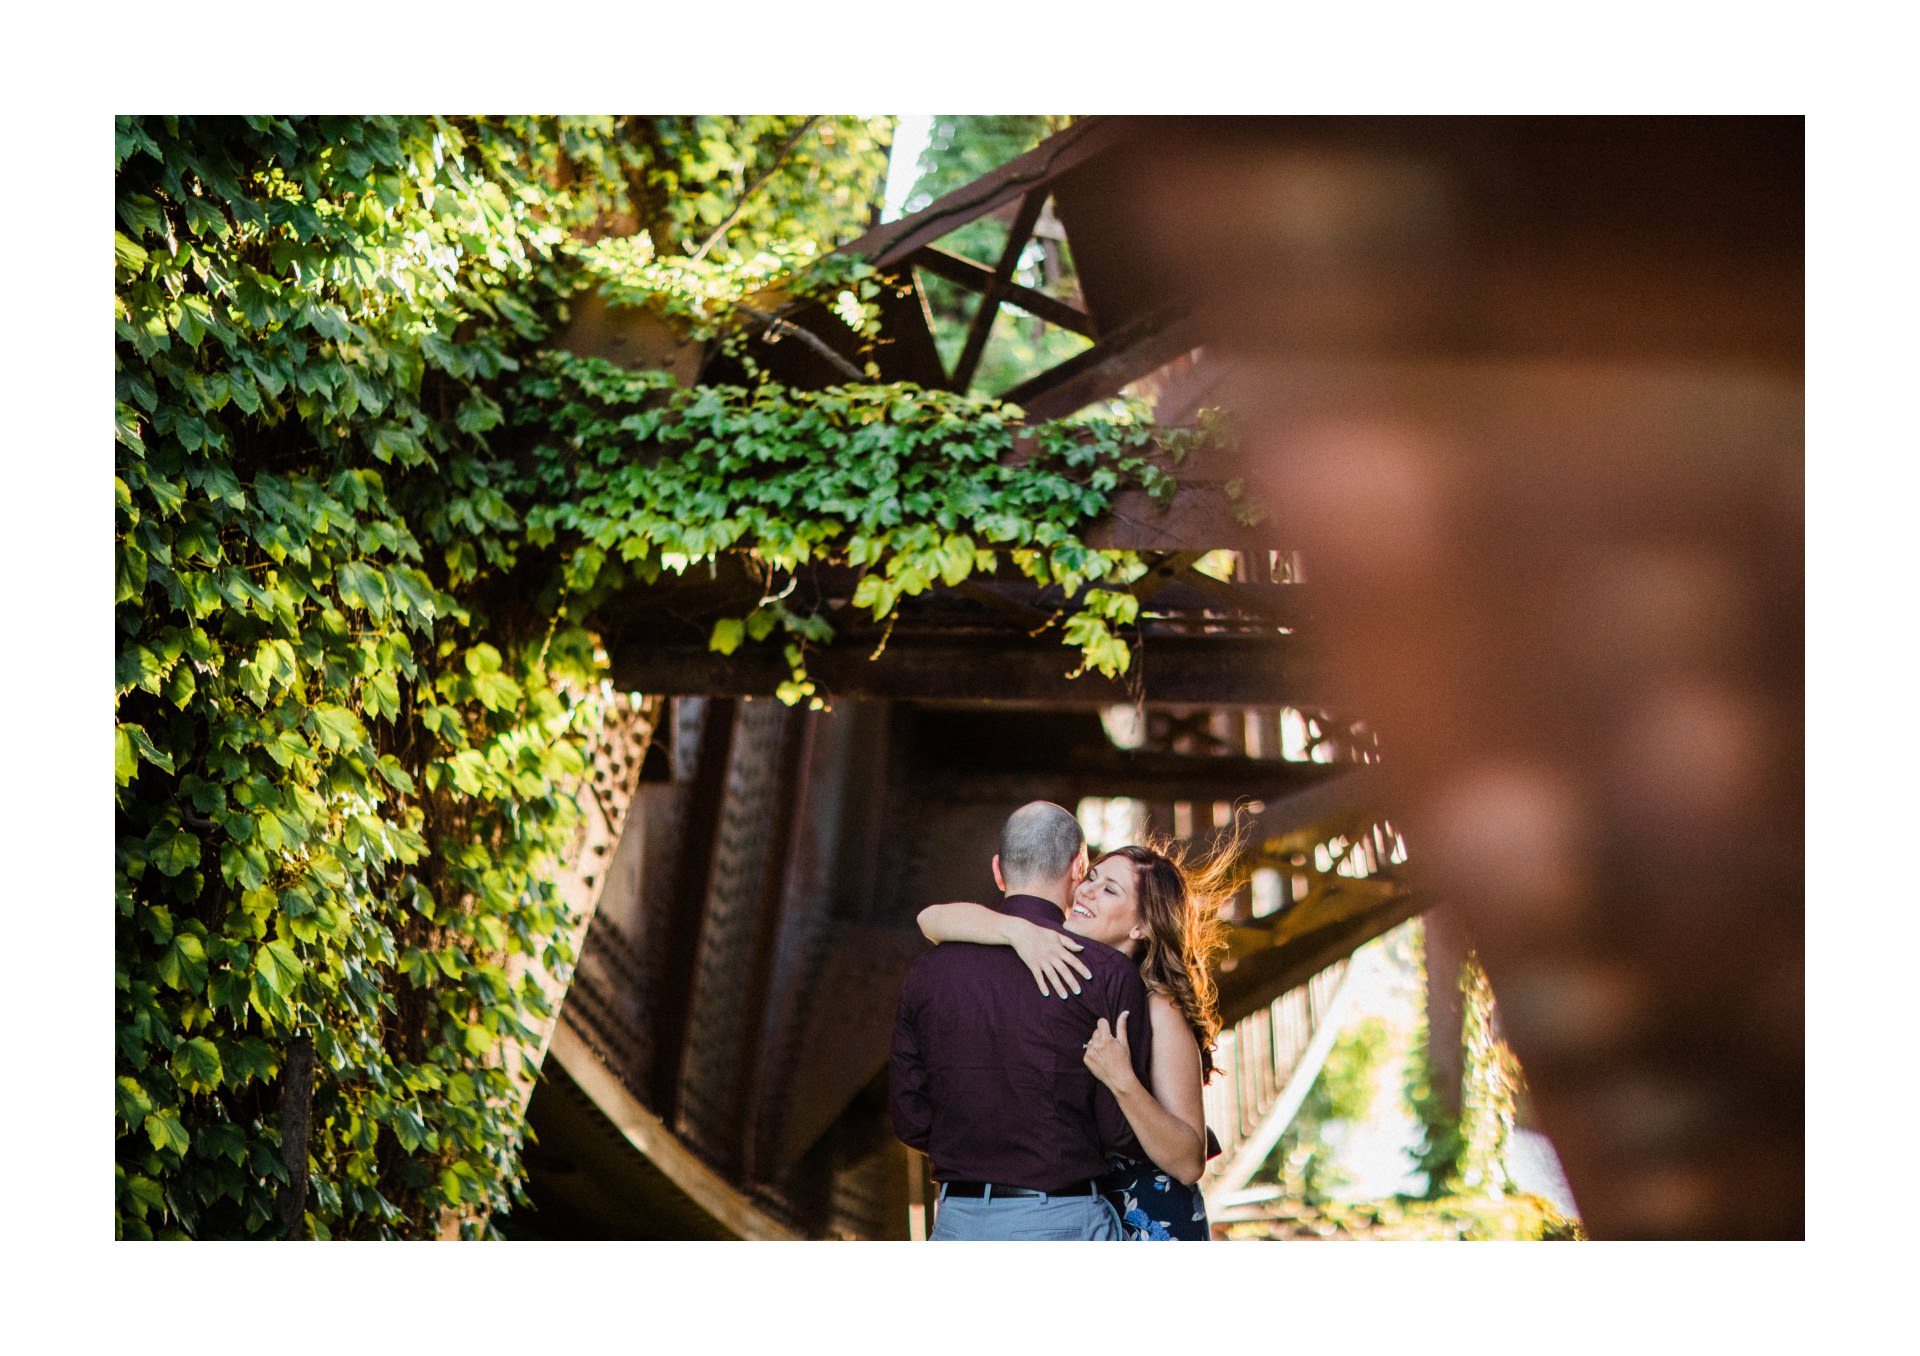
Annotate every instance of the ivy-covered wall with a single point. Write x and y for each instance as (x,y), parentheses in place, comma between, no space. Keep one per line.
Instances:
(363,514)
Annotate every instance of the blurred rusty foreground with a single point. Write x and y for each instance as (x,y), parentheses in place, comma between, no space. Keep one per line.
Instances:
(1527,395)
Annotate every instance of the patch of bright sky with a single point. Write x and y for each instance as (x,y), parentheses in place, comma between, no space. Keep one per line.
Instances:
(909,139)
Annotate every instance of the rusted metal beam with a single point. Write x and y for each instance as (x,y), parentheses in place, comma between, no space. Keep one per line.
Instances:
(844,1022)
(734,957)
(1125,355)
(1352,788)
(1221,669)
(986,608)
(670,1004)
(979,277)
(1194,781)
(977,747)
(982,326)
(684,1187)
(1260,978)
(1202,517)
(891,243)
(1199,518)
(829,851)
(989,607)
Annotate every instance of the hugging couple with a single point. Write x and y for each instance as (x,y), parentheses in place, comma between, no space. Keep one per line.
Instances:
(1052,1070)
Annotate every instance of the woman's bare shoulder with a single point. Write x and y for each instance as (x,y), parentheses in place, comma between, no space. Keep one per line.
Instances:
(1164,1011)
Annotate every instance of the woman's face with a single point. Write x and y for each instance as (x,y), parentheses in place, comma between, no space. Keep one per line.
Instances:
(1106,907)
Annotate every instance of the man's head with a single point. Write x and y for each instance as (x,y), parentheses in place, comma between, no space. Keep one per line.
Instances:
(1042,852)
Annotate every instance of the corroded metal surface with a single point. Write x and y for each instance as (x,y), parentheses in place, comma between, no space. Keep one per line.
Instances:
(728,981)
(604,796)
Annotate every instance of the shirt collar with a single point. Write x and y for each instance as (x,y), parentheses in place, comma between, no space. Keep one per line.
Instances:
(1035,910)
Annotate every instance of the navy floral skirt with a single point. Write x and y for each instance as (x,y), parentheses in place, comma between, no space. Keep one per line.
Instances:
(1152,1206)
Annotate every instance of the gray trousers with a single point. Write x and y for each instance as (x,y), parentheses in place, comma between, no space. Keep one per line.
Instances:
(967,1219)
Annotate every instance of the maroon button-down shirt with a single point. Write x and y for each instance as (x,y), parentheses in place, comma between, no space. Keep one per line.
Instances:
(987,1075)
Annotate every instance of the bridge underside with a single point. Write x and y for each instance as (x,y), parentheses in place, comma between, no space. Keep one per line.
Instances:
(738,982)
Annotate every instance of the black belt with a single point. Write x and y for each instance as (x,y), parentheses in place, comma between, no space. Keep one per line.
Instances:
(993,1190)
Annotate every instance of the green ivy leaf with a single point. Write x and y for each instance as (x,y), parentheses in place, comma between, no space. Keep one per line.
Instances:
(276,967)
(394,775)
(196,1064)
(728,632)
(478,1041)
(128,255)
(496,691)
(413,594)
(228,989)
(179,853)
(363,586)
(482,658)
(477,414)
(226,1141)
(125,763)
(167,1134)
(382,694)
(286,747)
(955,557)
(130,1100)
(129,572)
(180,685)
(183,965)
(276,663)
(876,592)
(251,1058)
(334,726)
(146,1195)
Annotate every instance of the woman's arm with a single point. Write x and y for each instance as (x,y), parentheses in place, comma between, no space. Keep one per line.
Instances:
(1047,952)
(1169,1118)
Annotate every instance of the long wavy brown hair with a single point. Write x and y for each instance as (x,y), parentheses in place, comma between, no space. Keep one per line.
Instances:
(1180,903)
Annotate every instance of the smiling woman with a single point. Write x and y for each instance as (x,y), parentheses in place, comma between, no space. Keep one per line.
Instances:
(1106,907)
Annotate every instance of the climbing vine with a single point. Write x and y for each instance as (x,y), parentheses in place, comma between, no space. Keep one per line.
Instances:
(1488,1092)
(339,781)
(1467,1153)
(364,510)
(916,487)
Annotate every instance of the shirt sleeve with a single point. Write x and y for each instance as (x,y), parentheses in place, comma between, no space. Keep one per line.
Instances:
(907,1076)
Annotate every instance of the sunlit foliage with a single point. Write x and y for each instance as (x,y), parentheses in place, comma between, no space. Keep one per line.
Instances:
(1301,1163)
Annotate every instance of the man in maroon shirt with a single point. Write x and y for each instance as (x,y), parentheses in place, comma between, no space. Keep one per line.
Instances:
(987,1075)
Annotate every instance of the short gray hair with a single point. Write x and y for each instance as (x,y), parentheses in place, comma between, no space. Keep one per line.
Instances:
(1039,842)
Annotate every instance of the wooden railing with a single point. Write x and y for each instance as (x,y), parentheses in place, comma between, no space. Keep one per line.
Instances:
(1268,1061)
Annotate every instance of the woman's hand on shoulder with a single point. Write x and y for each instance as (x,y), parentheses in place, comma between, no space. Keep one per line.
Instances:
(1110,1056)
(1048,954)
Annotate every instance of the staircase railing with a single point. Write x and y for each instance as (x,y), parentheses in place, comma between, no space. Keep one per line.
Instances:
(1268,1060)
